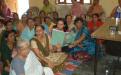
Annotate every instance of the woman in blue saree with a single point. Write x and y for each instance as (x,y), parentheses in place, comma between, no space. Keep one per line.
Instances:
(83,41)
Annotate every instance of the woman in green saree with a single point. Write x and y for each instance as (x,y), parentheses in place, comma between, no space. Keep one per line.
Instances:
(44,51)
(40,45)
(6,49)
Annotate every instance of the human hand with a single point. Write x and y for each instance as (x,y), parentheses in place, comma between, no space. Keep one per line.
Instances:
(14,53)
(7,68)
(71,46)
(51,65)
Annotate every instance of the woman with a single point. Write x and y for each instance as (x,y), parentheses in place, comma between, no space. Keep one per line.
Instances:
(47,54)
(42,14)
(15,20)
(55,16)
(77,9)
(69,26)
(19,28)
(29,30)
(83,41)
(95,23)
(2,28)
(40,45)
(95,8)
(24,19)
(60,25)
(26,62)
(7,47)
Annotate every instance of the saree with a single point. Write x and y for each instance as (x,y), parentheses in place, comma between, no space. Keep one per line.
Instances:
(6,53)
(88,44)
(43,49)
(56,58)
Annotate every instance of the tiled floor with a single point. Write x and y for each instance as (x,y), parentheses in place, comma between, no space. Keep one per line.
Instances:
(88,68)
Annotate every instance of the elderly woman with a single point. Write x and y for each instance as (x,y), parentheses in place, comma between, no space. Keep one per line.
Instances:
(26,62)
(83,41)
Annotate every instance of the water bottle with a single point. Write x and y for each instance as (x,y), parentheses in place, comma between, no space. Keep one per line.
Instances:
(118,17)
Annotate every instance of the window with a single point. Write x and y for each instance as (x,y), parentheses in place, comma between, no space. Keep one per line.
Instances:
(23,6)
(69,1)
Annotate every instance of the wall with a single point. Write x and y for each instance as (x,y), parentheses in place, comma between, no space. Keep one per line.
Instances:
(12,4)
(108,5)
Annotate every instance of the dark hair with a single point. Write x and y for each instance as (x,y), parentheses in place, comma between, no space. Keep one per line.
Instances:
(37,17)
(9,21)
(95,14)
(78,19)
(66,26)
(60,19)
(40,26)
(42,11)
(30,19)
(67,16)
(9,32)
(14,13)
(47,17)
(1,21)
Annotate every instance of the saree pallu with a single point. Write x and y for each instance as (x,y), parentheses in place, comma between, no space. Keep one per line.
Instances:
(58,59)
(44,50)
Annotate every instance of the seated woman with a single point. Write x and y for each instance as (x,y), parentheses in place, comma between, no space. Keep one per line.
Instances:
(8,27)
(19,29)
(29,30)
(6,49)
(42,48)
(69,26)
(26,62)
(2,28)
(95,23)
(40,44)
(83,41)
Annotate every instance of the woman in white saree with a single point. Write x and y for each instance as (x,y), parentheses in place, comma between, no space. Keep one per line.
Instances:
(26,62)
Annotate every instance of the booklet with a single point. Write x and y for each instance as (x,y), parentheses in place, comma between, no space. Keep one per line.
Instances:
(63,38)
